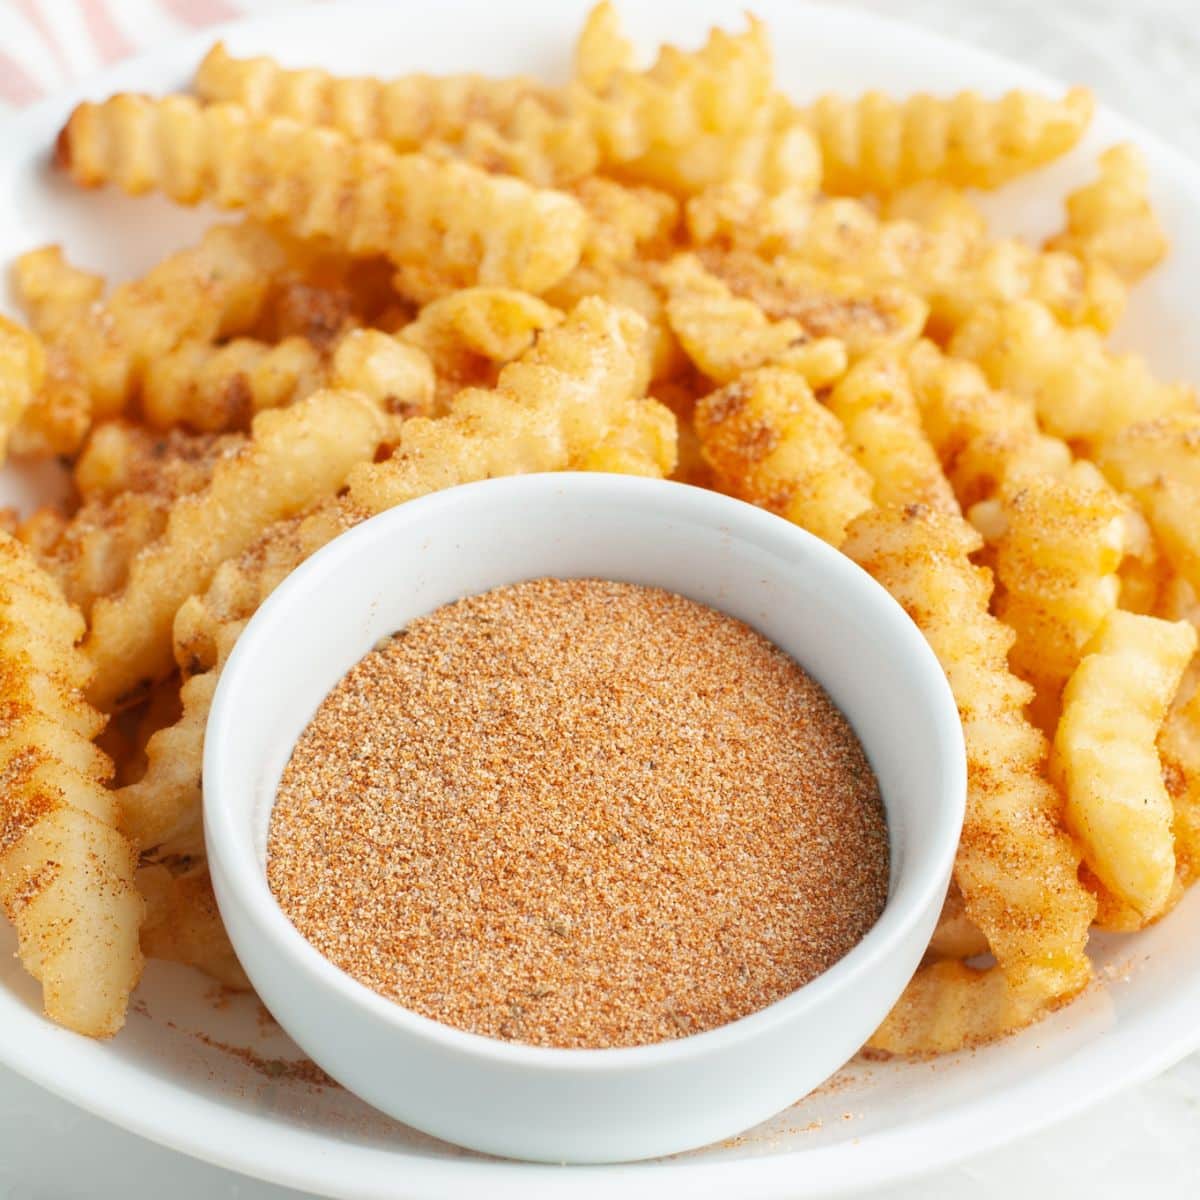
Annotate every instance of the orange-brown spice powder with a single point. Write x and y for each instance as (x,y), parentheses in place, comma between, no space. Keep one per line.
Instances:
(579,813)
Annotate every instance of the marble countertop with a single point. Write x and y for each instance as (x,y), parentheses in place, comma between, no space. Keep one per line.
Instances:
(1142,57)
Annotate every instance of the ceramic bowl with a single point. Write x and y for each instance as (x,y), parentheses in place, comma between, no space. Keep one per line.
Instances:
(582,1105)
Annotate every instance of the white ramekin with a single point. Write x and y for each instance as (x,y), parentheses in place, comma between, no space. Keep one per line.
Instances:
(582,1105)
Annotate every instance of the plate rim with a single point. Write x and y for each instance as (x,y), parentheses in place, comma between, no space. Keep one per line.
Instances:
(213,1133)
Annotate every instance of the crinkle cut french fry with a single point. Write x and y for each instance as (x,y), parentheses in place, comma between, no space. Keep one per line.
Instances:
(644,444)
(1111,219)
(211,388)
(183,924)
(216,388)
(876,143)
(100,352)
(66,874)
(464,224)
(1179,748)
(1058,546)
(1105,754)
(627,223)
(986,439)
(954,270)
(406,111)
(295,456)
(864,316)
(949,1005)
(22,372)
(876,407)
(1158,463)
(1017,870)
(52,292)
(1083,391)
(771,443)
(90,552)
(602,50)
(551,408)
(725,336)
(470,333)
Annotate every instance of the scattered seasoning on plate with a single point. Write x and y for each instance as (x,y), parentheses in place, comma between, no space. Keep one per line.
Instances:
(579,813)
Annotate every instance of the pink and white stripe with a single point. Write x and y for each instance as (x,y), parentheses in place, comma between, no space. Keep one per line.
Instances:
(47,44)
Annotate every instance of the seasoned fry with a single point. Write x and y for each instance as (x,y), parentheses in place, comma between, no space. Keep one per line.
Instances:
(22,373)
(642,443)
(100,353)
(1158,463)
(1111,220)
(865,317)
(875,143)
(1058,543)
(770,442)
(469,334)
(294,457)
(1083,391)
(184,926)
(211,388)
(90,553)
(66,874)
(876,407)
(52,292)
(726,336)
(602,50)
(627,223)
(461,223)
(1105,755)
(1179,748)
(985,438)
(954,270)
(1016,869)
(948,1005)
(632,286)
(405,112)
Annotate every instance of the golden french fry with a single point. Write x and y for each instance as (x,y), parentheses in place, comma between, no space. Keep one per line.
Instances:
(1105,755)
(1017,870)
(1082,391)
(100,352)
(864,316)
(210,388)
(405,112)
(1158,463)
(460,222)
(770,442)
(1111,219)
(22,373)
(726,336)
(953,270)
(66,874)
(294,457)
(602,51)
(183,924)
(1058,543)
(875,143)
(876,407)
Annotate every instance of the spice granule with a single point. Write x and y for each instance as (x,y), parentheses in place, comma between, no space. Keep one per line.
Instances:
(579,813)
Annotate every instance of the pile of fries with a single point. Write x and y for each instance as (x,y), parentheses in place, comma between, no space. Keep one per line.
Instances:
(670,271)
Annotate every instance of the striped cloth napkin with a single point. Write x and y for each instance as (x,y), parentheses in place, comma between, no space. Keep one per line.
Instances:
(47,44)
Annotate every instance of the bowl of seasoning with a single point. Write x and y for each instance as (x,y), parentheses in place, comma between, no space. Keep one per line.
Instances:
(581,817)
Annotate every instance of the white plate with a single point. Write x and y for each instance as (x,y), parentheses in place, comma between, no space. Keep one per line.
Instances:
(167,1078)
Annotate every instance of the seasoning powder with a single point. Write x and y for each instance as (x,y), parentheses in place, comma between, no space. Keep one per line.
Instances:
(579,813)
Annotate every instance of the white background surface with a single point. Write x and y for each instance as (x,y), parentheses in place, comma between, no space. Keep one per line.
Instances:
(1143,58)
